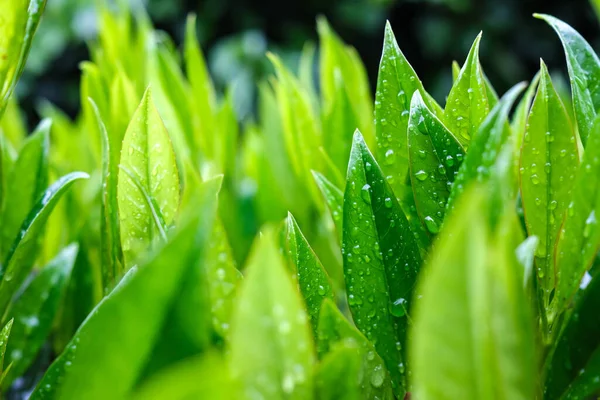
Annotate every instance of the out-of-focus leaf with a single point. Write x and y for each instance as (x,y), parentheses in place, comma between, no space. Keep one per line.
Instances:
(549,162)
(381,259)
(202,377)
(485,146)
(112,254)
(148,154)
(313,280)
(21,256)
(34,311)
(19,23)
(584,73)
(575,359)
(467,104)
(203,99)
(27,180)
(12,124)
(435,157)
(472,336)
(334,198)
(371,379)
(345,94)
(4,337)
(272,351)
(339,374)
(106,356)
(579,238)
(519,121)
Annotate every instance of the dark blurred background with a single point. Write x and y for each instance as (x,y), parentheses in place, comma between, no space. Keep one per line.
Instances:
(236,33)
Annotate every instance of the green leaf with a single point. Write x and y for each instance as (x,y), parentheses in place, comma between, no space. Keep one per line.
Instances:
(202,377)
(112,254)
(396,83)
(203,99)
(472,336)
(577,349)
(435,157)
(148,154)
(549,162)
(107,355)
(467,103)
(519,122)
(381,258)
(584,68)
(339,374)
(485,147)
(271,347)
(18,25)
(371,377)
(4,338)
(334,198)
(21,256)
(26,182)
(313,280)
(579,238)
(34,312)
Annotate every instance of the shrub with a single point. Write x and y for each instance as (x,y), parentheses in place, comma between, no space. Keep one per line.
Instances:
(194,258)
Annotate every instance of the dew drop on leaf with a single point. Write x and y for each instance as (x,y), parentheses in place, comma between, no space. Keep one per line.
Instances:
(421,175)
(431,225)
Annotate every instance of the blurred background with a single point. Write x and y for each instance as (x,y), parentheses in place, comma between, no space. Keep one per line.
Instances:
(236,33)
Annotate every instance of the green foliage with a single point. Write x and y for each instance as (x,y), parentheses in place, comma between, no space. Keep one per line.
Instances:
(446,264)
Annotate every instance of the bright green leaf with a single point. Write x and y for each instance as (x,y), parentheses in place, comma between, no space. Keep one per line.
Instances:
(148,154)
(272,351)
(334,198)
(549,162)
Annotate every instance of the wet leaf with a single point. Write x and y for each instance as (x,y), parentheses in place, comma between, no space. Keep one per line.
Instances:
(147,154)
(313,280)
(272,351)
(381,259)
(370,378)
(34,312)
(21,256)
(435,157)
(472,336)
(334,198)
(548,165)
(467,104)
(27,180)
(584,73)
(202,377)
(485,147)
(107,355)
(579,238)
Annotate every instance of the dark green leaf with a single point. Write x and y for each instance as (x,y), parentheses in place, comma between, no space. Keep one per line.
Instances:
(34,312)
(435,157)
(381,258)
(584,73)
(313,280)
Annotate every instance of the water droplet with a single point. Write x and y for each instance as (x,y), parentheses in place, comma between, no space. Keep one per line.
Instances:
(449,161)
(553,204)
(365,193)
(321,290)
(421,175)
(535,179)
(390,157)
(398,308)
(388,202)
(422,126)
(590,222)
(377,376)
(431,225)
